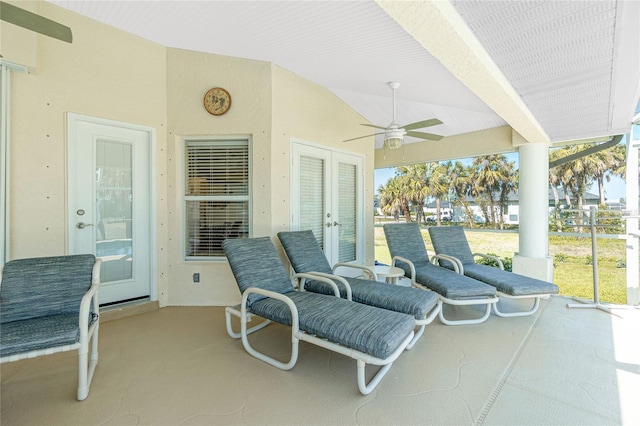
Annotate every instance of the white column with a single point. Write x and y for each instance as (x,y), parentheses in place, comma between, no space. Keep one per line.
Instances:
(533,258)
(633,228)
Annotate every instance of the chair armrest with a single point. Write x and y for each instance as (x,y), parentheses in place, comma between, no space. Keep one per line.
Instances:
(85,306)
(331,279)
(488,256)
(273,295)
(368,269)
(408,262)
(302,277)
(457,265)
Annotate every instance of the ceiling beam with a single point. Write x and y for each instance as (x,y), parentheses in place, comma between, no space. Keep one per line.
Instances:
(438,27)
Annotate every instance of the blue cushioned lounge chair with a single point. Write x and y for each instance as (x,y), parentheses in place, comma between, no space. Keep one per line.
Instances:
(451,241)
(50,305)
(306,256)
(367,334)
(408,252)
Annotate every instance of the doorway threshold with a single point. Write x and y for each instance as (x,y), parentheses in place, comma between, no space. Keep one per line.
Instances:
(127,309)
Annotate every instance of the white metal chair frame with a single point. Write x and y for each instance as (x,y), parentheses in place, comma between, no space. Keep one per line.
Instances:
(87,362)
(489,302)
(536,297)
(296,335)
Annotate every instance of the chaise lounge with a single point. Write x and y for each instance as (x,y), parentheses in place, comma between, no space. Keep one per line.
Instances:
(306,256)
(408,252)
(452,242)
(367,334)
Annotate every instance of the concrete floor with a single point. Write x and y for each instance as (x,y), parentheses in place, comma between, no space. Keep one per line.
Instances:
(177,366)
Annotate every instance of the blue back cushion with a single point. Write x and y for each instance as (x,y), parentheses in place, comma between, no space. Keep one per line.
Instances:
(304,252)
(405,240)
(255,263)
(44,286)
(451,240)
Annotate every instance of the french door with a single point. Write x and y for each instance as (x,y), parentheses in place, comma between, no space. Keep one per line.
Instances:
(327,198)
(109,211)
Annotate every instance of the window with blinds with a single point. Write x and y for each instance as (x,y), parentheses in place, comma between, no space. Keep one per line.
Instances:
(347,198)
(312,190)
(216,195)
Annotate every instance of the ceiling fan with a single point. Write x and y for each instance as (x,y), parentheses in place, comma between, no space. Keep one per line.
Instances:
(394,133)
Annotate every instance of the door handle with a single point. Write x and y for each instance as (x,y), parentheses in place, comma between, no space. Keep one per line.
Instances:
(336,223)
(82,225)
(328,224)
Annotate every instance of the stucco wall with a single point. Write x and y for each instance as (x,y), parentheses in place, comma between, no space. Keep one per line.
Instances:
(189,76)
(111,74)
(308,112)
(104,73)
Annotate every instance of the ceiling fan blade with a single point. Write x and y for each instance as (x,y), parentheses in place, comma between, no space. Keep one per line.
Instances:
(421,135)
(421,124)
(362,137)
(31,21)
(373,125)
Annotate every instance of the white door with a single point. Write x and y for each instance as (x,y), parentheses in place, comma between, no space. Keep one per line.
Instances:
(327,198)
(109,203)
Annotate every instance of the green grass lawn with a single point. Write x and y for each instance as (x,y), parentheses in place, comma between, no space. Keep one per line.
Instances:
(573,272)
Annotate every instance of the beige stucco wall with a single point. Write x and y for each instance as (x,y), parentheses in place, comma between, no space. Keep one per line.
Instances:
(114,75)
(103,73)
(306,112)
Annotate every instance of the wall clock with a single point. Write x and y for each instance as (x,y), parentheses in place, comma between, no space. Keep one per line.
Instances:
(217,101)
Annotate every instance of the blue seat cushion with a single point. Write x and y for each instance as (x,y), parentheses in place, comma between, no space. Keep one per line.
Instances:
(448,283)
(39,333)
(374,331)
(412,301)
(509,282)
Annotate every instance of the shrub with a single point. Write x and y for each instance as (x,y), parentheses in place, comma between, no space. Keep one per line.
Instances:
(506,261)
(560,257)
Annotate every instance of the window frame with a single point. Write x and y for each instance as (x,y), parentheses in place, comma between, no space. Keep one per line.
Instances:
(214,139)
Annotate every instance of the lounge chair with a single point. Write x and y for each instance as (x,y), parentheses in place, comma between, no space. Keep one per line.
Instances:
(306,256)
(408,252)
(452,242)
(50,305)
(365,333)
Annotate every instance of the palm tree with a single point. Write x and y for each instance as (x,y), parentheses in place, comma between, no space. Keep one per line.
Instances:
(393,200)
(437,182)
(415,184)
(491,175)
(460,184)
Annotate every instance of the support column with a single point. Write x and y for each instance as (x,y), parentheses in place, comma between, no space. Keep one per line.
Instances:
(633,220)
(533,258)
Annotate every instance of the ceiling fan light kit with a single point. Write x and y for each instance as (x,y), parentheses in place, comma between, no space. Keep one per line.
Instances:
(394,133)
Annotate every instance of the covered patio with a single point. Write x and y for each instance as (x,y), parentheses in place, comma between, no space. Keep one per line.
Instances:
(177,365)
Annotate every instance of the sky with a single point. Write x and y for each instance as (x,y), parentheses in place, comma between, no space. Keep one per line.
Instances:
(614,190)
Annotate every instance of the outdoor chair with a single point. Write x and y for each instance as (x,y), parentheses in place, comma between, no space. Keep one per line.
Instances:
(50,305)
(306,256)
(452,242)
(408,252)
(367,334)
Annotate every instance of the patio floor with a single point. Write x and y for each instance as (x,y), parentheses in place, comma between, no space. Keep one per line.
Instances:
(177,365)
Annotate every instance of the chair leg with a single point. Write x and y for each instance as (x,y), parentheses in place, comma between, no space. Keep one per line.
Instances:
(87,362)
(483,318)
(532,311)
(232,310)
(365,388)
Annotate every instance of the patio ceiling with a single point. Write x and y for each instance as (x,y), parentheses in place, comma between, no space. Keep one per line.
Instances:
(553,70)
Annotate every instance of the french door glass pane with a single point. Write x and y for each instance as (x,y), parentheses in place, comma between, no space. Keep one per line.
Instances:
(114,207)
(347,197)
(312,172)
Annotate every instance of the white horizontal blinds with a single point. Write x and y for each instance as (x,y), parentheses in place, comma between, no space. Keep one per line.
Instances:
(312,190)
(347,196)
(217,195)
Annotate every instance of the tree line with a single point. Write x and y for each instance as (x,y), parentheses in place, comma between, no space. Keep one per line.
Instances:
(489,180)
